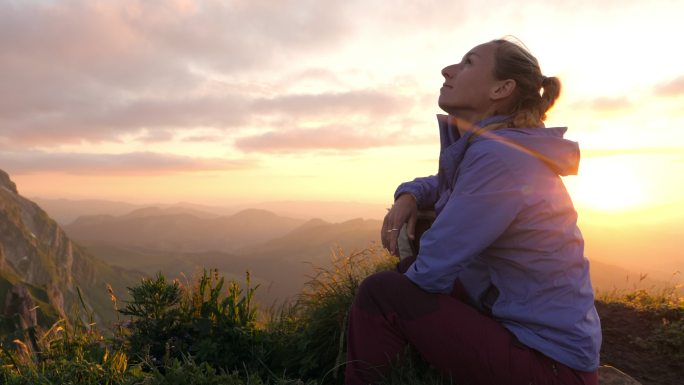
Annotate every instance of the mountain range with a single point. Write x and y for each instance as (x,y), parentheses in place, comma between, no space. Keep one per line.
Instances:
(181,230)
(65,211)
(279,252)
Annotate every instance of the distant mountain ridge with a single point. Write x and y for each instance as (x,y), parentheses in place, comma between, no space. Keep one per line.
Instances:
(171,210)
(65,211)
(279,251)
(178,230)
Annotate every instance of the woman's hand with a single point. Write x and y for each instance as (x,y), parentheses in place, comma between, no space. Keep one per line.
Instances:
(404,210)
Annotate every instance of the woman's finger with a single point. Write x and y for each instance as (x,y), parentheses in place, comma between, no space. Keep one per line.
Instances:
(393,240)
(383,232)
(392,235)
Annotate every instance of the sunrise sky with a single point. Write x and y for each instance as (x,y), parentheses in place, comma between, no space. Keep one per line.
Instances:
(218,102)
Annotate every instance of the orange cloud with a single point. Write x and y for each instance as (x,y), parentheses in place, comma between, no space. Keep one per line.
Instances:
(364,102)
(605,103)
(136,163)
(336,138)
(674,87)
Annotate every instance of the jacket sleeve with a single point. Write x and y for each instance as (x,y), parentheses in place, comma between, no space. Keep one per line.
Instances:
(485,201)
(425,190)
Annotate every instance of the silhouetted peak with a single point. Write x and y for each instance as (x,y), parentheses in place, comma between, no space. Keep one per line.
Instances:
(315,222)
(7,183)
(254,213)
(145,212)
(354,222)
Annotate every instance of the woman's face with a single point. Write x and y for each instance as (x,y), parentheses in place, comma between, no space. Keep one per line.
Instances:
(468,84)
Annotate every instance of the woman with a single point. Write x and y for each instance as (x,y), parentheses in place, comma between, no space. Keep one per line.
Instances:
(499,292)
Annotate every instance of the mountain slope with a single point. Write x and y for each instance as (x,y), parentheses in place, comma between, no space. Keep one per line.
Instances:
(312,242)
(36,253)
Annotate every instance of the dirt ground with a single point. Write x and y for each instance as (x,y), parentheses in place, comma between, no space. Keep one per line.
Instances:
(623,328)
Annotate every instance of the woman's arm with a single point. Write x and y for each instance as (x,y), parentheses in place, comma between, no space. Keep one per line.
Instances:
(425,190)
(485,201)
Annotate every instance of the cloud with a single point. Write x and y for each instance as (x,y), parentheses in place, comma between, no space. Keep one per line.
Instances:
(76,122)
(674,87)
(337,138)
(366,102)
(203,138)
(658,151)
(605,104)
(83,70)
(136,163)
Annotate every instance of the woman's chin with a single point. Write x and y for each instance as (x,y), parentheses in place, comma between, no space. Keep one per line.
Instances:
(446,107)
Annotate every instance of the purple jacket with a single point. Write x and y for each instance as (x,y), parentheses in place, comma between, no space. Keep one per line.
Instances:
(507,229)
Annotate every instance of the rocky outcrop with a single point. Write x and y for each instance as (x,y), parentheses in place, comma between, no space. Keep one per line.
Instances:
(6,183)
(34,249)
(20,308)
(609,375)
(2,258)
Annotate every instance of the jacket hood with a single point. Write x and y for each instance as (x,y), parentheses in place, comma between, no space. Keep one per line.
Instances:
(546,144)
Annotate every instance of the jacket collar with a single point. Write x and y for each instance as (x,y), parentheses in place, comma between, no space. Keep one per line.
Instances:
(448,133)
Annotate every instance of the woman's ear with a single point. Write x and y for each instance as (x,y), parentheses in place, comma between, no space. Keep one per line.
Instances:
(502,89)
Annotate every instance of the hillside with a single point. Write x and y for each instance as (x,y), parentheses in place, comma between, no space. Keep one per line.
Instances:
(36,253)
(643,334)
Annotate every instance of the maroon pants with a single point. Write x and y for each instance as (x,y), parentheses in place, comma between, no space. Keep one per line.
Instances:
(390,312)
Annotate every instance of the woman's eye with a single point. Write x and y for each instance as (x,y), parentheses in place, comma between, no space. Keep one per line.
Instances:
(467,61)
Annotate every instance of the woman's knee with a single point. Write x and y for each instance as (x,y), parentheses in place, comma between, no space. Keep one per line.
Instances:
(377,288)
(392,292)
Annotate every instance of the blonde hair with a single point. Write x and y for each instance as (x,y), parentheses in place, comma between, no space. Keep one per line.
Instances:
(530,103)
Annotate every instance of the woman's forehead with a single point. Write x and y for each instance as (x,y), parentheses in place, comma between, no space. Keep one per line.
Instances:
(485,49)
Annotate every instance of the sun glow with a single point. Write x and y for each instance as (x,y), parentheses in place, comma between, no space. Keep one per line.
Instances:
(608,183)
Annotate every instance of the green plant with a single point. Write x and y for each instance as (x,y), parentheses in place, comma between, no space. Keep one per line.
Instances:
(155,304)
(187,371)
(223,325)
(213,325)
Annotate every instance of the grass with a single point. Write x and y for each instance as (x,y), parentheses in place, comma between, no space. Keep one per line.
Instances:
(643,332)
(209,331)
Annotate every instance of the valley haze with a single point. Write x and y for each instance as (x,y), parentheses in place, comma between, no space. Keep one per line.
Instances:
(281,242)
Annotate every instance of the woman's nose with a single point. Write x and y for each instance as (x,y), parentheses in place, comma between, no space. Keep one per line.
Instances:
(448,71)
